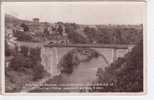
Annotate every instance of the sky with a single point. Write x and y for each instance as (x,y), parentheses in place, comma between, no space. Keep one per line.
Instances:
(79,12)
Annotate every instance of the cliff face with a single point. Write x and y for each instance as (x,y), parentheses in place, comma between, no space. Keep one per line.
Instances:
(49,60)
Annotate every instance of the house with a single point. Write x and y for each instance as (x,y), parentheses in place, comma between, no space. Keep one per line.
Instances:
(36,20)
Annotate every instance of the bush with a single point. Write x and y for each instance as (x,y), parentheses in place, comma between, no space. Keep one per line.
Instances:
(23,36)
(126,73)
(24,68)
(66,64)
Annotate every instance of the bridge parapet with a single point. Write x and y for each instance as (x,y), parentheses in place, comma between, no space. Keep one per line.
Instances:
(115,46)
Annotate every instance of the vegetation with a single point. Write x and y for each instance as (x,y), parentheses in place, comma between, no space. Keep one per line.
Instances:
(126,74)
(7,50)
(25,27)
(76,33)
(23,36)
(24,68)
(70,60)
(73,34)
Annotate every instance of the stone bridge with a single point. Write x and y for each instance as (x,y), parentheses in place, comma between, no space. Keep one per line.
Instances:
(98,47)
(51,54)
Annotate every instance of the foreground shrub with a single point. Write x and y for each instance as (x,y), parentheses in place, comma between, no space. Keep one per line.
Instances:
(126,74)
(23,69)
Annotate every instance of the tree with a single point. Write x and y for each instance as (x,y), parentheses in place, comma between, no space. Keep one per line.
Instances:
(126,73)
(60,30)
(25,27)
(73,35)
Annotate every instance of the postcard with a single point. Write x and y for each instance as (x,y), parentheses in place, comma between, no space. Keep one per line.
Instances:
(73,47)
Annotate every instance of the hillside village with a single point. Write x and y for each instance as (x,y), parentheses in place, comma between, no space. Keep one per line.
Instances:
(59,32)
(35,30)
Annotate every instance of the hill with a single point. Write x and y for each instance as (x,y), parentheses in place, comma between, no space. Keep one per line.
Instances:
(75,33)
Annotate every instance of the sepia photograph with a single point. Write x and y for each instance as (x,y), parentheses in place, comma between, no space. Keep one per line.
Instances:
(74,47)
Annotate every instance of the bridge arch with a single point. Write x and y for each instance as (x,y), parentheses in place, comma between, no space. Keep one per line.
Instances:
(77,55)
